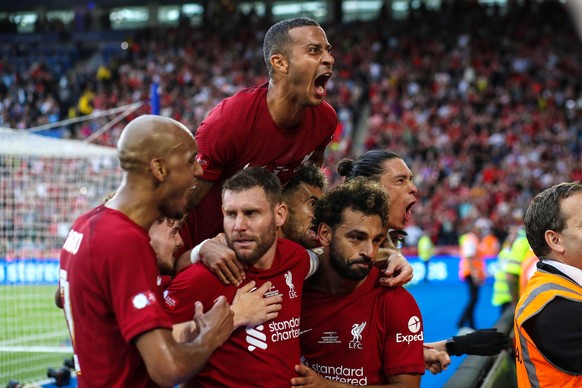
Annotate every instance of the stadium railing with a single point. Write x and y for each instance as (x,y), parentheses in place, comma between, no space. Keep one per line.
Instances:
(488,371)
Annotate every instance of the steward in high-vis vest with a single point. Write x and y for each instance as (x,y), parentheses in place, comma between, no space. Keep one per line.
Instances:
(548,302)
(425,253)
(548,316)
(501,295)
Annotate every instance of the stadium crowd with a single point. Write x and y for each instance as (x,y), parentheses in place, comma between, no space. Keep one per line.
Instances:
(485,108)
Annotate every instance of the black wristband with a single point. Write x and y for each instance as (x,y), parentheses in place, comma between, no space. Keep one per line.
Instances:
(451,347)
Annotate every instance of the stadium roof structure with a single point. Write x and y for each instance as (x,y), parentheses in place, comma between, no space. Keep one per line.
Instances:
(24,143)
(11,5)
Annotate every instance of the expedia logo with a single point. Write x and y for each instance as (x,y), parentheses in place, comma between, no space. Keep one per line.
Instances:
(256,338)
(414,326)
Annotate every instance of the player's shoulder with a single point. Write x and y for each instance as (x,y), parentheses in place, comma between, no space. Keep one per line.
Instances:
(193,274)
(291,247)
(234,112)
(326,109)
(117,226)
(292,254)
(246,96)
(397,299)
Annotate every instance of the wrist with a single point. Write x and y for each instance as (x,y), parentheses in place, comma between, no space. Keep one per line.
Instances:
(451,347)
(195,253)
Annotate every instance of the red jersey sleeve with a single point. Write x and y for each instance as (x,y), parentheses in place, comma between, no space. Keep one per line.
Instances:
(136,297)
(404,333)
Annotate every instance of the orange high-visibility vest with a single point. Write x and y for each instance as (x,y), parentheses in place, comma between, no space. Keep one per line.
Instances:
(533,369)
(475,262)
(489,246)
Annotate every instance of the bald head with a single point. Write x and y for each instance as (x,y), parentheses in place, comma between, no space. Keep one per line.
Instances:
(148,137)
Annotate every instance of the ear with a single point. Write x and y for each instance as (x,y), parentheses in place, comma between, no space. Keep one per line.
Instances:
(324,234)
(158,169)
(280,214)
(279,63)
(554,241)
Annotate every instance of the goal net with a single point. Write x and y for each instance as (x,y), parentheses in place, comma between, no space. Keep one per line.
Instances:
(45,184)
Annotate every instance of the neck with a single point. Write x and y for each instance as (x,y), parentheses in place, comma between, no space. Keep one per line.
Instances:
(266,261)
(135,204)
(284,108)
(327,280)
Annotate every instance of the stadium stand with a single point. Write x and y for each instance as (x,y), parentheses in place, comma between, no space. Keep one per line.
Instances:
(484,103)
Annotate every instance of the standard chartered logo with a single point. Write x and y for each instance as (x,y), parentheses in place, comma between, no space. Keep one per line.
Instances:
(256,338)
(341,373)
(278,331)
(284,330)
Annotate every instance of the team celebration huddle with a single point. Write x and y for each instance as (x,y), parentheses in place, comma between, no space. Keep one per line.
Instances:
(224,259)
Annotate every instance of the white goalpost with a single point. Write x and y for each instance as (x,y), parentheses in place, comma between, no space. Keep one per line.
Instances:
(45,184)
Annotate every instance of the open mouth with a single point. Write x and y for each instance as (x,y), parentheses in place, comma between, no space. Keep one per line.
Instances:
(408,214)
(409,207)
(321,83)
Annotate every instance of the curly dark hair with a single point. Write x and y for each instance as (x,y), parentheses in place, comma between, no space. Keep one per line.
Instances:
(358,194)
(309,174)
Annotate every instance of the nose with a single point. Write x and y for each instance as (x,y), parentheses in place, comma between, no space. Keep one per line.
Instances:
(239,223)
(367,249)
(328,59)
(178,240)
(197,169)
(413,188)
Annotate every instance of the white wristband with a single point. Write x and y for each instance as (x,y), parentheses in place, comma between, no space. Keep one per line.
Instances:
(195,253)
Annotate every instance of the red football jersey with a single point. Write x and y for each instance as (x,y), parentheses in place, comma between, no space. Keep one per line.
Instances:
(238,133)
(261,356)
(108,274)
(362,337)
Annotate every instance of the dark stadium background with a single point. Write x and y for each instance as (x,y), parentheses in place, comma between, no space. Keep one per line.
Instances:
(483,99)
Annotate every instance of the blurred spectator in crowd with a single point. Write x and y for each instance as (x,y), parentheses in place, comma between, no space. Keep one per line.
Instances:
(425,253)
(471,271)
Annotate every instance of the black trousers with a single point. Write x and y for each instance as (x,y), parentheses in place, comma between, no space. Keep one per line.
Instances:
(468,317)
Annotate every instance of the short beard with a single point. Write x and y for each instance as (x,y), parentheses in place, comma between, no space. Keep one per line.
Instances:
(264,243)
(293,233)
(343,266)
